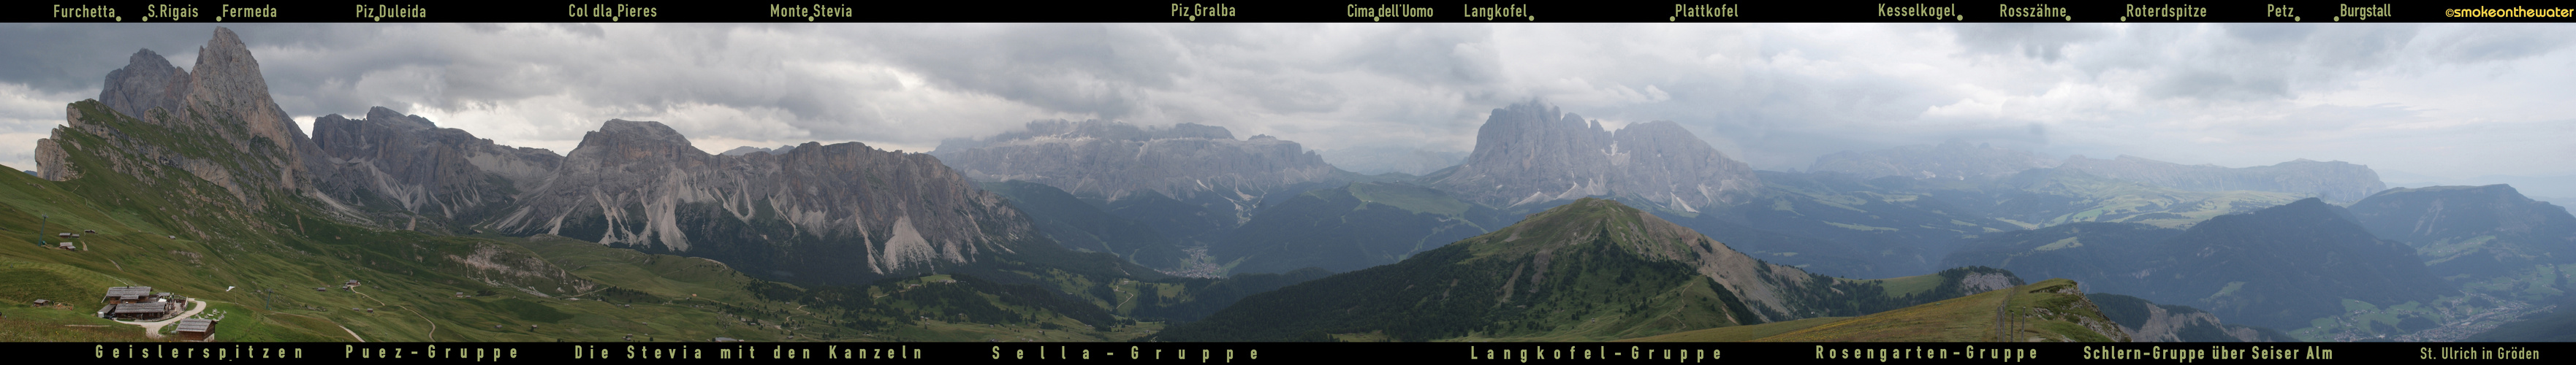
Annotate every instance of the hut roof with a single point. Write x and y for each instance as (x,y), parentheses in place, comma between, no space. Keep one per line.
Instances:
(142,308)
(129,292)
(196,325)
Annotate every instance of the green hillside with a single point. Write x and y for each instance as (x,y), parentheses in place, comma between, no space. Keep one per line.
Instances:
(2049,311)
(1588,271)
(1352,227)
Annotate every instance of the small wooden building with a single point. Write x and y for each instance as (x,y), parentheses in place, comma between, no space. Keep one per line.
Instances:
(196,329)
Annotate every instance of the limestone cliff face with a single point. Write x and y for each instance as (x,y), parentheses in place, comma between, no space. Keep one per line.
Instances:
(1953,160)
(1113,160)
(835,213)
(2335,180)
(52,161)
(1529,153)
(391,161)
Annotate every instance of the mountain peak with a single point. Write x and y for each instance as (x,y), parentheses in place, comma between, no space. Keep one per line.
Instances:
(1533,154)
(1588,217)
(641,129)
(625,140)
(1590,220)
(224,99)
(398,119)
(146,82)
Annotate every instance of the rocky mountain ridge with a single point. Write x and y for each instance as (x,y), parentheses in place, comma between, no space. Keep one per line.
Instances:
(1532,153)
(836,213)
(1114,160)
(842,213)
(406,163)
(2333,180)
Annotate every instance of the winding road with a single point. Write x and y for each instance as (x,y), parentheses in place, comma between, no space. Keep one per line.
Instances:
(153,329)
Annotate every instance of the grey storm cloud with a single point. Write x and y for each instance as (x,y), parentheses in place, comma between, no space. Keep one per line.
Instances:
(1775,96)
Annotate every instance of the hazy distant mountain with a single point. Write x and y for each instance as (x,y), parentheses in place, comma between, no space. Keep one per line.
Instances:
(1191,181)
(1115,160)
(2295,262)
(1353,227)
(1380,160)
(1593,269)
(1880,227)
(738,151)
(1953,160)
(2556,187)
(2335,180)
(2150,322)
(2481,231)
(2104,256)
(1533,154)
(2277,267)
(2046,197)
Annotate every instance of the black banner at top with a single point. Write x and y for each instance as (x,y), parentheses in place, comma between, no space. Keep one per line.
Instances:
(1299,12)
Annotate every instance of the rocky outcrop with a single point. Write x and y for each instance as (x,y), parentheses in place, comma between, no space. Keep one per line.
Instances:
(1951,160)
(391,161)
(55,163)
(1530,153)
(839,213)
(2334,180)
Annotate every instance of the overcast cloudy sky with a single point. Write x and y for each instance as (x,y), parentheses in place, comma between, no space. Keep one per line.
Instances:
(2452,100)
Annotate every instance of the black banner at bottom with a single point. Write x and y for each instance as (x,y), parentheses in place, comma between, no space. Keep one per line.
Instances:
(1287,353)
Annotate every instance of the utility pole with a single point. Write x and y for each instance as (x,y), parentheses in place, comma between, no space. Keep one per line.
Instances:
(40,228)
